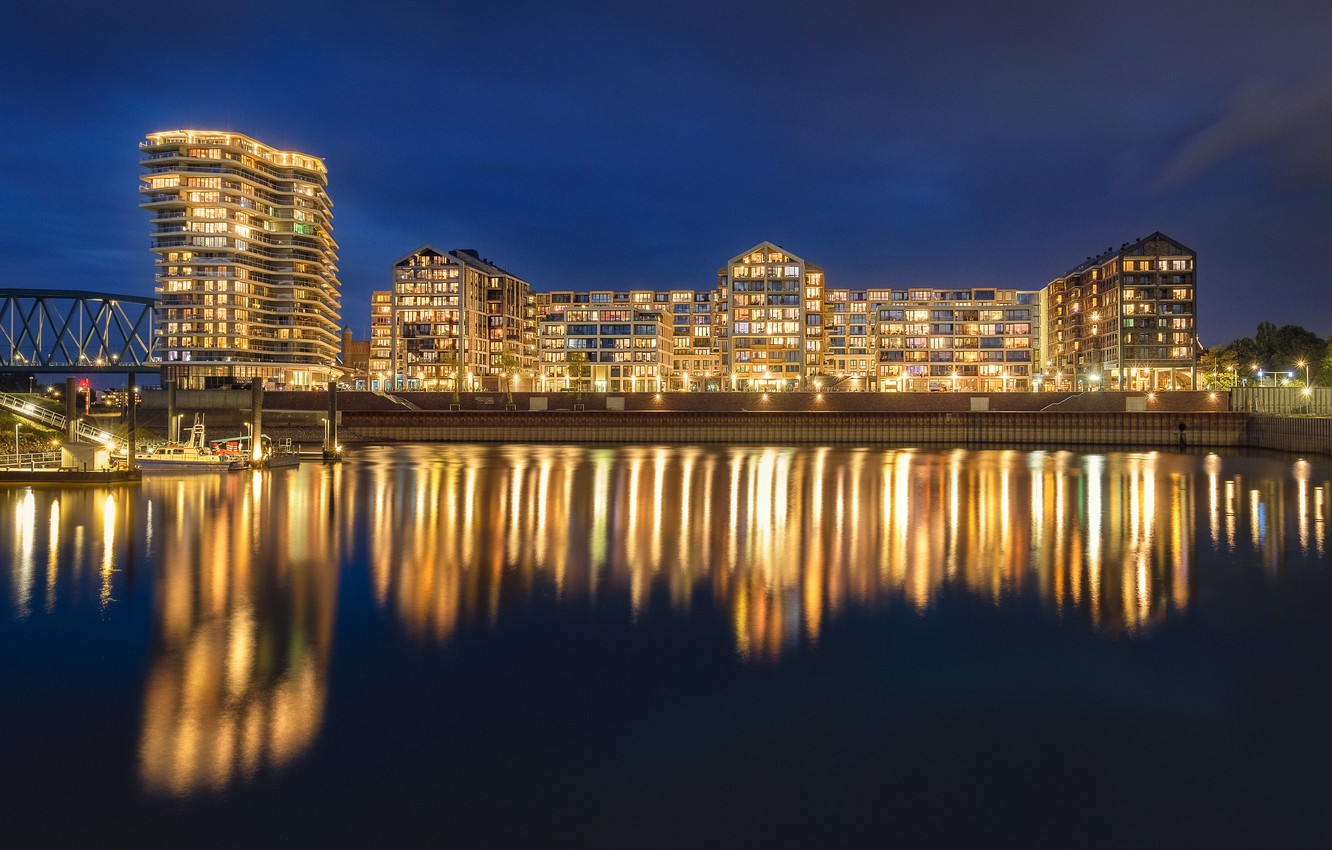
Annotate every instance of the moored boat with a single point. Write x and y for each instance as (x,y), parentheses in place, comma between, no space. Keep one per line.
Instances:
(190,456)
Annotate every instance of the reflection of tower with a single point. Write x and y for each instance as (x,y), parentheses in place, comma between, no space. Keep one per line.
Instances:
(243,623)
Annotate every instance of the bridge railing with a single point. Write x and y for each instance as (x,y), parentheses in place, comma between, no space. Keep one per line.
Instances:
(65,330)
(30,460)
(29,409)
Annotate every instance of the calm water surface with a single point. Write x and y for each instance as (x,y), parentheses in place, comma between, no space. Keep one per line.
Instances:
(528,645)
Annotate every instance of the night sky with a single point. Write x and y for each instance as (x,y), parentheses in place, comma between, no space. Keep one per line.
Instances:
(642,144)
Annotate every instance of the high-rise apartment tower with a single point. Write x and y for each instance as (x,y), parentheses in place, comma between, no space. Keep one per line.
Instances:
(246,262)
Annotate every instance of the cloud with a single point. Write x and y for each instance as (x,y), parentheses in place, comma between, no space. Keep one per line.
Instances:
(1260,114)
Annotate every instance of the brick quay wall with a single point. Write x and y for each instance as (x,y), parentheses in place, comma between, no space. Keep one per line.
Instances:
(1128,430)
(1057,420)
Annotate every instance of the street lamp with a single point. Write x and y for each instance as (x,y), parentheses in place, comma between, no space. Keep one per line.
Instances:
(1304,364)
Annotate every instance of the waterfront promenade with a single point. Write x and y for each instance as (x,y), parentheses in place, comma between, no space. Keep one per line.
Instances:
(1053,420)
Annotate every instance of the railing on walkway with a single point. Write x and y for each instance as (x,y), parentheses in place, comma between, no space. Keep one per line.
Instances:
(33,411)
(1282,401)
(30,460)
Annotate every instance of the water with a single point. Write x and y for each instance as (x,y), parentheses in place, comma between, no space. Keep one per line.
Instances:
(659,646)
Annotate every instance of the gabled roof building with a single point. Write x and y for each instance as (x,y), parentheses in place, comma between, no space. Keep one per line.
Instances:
(1125,319)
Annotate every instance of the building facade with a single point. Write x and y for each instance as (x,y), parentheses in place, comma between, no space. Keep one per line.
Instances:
(606,347)
(1124,320)
(964,340)
(355,361)
(246,262)
(457,321)
(381,369)
(848,344)
(770,311)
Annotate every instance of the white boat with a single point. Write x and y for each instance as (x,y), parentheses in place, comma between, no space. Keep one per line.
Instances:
(191,456)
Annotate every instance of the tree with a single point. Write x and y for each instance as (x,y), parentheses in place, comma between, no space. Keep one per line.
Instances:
(453,362)
(1274,349)
(509,366)
(1219,368)
(578,368)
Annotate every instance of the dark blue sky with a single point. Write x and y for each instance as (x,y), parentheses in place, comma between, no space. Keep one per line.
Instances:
(625,144)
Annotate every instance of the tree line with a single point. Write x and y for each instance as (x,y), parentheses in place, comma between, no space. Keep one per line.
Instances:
(1289,355)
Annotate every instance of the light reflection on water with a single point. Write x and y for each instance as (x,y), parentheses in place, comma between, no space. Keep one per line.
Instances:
(244,569)
(783,540)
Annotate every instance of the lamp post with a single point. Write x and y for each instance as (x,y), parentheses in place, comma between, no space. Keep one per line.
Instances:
(1304,364)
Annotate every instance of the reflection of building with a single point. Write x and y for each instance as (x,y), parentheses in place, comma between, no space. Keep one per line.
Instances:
(243,628)
(785,540)
(246,262)
(1124,319)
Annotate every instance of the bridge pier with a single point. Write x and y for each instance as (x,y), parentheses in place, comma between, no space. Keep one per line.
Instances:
(130,456)
(173,425)
(256,420)
(71,408)
(331,452)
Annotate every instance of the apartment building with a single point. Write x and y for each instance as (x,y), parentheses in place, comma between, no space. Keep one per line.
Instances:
(381,369)
(848,353)
(770,312)
(457,320)
(1124,319)
(246,263)
(355,361)
(965,340)
(695,358)
(605,346)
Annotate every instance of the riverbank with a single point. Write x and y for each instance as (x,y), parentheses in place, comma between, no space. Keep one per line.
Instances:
(1056,420)
(64,477)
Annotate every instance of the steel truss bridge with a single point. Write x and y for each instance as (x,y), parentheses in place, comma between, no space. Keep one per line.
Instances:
(49,331)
